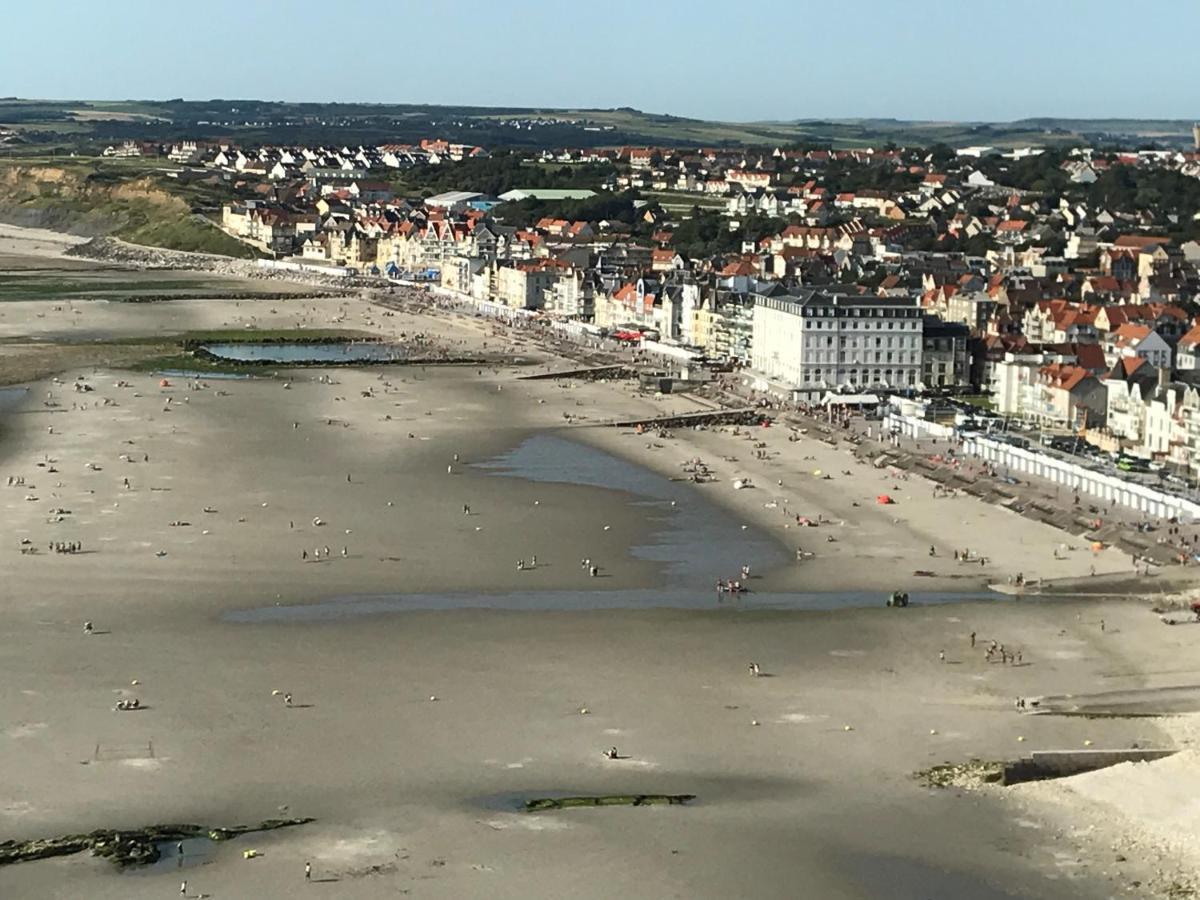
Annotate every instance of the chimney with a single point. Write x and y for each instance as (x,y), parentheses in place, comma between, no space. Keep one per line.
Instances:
(1164,378)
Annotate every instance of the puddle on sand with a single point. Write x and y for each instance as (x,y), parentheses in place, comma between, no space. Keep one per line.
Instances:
(695,539)
(10,398)
(330,354)
(196,852)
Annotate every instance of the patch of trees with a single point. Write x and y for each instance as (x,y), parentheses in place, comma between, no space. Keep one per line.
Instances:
(847,176)
(501,172)
(707,233)
(603,207)
(1157,191)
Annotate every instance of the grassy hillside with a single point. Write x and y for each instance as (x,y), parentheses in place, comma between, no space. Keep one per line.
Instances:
(76,122)
(93,198)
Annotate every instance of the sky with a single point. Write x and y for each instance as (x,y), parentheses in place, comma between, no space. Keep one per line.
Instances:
(981,60)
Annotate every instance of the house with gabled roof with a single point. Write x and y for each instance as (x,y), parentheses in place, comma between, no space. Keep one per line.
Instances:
(1068,396)
(1135,340)
(1187,353)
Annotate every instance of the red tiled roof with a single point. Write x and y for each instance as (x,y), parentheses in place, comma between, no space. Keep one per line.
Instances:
(1090,357)
(1192,338)
(1065,377)
(1139,241)
(1131,332)
(1131,364)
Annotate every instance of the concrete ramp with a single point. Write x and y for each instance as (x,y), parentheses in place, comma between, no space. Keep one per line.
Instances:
(1045,764)
(1164,701)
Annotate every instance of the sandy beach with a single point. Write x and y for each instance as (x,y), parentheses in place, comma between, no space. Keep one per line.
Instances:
(422,718)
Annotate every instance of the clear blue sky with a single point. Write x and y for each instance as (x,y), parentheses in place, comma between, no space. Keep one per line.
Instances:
(753,59)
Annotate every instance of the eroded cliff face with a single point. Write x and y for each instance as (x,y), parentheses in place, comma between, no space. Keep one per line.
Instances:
(80,202)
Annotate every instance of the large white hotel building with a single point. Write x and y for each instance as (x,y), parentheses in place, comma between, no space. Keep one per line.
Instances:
(812,340)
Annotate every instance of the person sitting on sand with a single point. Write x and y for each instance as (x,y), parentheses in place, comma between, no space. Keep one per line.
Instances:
(611,753)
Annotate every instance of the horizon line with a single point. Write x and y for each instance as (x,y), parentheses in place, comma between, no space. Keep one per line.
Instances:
(838,119)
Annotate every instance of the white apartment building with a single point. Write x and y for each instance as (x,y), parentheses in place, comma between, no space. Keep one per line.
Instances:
(816,341)
(1013,382)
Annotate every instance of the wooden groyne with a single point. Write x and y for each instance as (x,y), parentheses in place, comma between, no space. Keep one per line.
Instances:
(748,415)
(590,373)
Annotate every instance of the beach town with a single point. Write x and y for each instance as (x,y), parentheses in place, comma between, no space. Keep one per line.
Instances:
(406,598)
(567,458)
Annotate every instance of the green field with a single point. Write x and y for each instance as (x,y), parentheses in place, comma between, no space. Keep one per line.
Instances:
(677,200)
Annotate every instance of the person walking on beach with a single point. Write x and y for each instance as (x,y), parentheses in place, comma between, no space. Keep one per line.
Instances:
(183,889)
(308,871)
(941,655)
(972,640)
(1101,625)
(287,699)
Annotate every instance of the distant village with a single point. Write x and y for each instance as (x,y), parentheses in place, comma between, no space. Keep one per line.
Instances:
(924,272)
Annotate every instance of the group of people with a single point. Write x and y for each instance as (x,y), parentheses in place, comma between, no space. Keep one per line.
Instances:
(65,546)
(16,481)
(964,555)
(323,552)
(135,703)
(997,650)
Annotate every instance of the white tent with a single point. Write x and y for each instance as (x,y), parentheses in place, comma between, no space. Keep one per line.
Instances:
(832,399)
